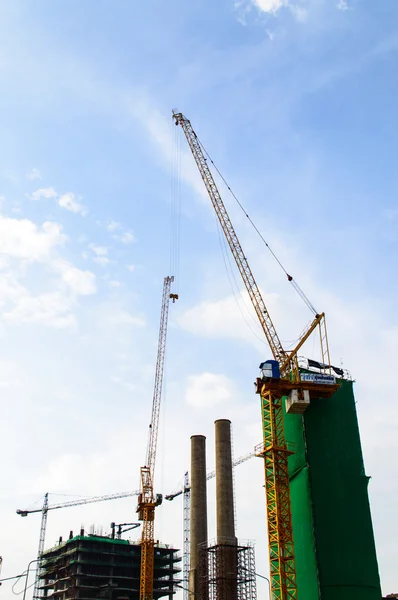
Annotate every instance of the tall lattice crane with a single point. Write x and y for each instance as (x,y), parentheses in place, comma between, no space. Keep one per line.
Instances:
(147,501)
(274,448)
(43,526)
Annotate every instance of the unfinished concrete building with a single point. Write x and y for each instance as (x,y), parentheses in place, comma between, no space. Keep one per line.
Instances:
(88,567)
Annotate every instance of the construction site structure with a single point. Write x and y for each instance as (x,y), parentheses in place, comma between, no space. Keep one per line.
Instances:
(331,519)
(198,514)
(147,501)
(186,491)
(274,449)
(226,568)
(87,567)
(43,525)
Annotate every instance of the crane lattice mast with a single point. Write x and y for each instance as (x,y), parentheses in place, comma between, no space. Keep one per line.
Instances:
(40,551)
(147,501)
(274,449)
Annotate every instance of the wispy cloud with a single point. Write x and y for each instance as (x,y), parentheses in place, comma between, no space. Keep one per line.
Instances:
(43,194)
(126,238)
(207,390)
(69,202)
(33,174)
(23,244)
(342,5)
(113,226)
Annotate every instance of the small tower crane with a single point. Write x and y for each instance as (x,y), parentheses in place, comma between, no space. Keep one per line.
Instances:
(274,448)
(147,501)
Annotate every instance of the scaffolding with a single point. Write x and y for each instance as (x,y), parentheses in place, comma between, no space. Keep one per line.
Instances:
(230,572)
(93,566)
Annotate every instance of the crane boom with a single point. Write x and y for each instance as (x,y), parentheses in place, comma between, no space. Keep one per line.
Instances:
(232,239)
(147,501)
(25,512)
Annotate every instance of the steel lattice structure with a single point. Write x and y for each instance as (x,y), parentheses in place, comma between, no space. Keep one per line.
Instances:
(43,527)
(277,489)
(187,534)
(147,501)
(230,572)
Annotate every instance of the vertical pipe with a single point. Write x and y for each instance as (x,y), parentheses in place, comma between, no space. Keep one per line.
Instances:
(224,483)
(198,514)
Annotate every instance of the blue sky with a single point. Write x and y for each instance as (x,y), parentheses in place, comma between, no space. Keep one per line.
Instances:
(296,102)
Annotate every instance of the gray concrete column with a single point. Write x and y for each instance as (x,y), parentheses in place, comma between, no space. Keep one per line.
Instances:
(198,515)
(224,483)
(227,560)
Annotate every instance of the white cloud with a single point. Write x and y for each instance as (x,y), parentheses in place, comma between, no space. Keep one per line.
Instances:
(273,7)
(299,12)
(103,261)
(114,283)
(69,202)
(269,6)
(342,5)
(43,193)
(230,317)
(22,243)
(208,389)
(99,250)
(21,238)
(33,174)
(126,238)
(131,267)
(82,283)
(49,309)
(113,226)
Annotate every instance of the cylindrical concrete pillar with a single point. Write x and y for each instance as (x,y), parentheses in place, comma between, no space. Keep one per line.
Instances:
(227,560)
(198,514)
(224,483)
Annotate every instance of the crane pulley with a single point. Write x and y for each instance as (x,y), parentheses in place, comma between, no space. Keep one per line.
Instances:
(147,501)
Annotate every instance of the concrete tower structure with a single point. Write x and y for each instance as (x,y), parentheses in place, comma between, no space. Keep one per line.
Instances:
(198,516)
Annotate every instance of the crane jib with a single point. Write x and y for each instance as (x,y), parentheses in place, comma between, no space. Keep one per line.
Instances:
(232,239)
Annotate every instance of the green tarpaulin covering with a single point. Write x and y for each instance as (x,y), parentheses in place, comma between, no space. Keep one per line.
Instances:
(332,527)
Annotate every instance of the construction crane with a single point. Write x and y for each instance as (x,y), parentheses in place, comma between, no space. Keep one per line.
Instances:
(122,528)
(186,491)
(147,501)
(43,527)
(274,449)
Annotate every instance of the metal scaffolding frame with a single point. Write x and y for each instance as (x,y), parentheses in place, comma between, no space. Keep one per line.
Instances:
(229,572)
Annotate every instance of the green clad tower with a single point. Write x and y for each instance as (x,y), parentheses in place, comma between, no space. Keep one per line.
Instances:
(332,527)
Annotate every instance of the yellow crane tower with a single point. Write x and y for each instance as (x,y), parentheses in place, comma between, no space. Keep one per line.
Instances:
(147,501)
(274,448)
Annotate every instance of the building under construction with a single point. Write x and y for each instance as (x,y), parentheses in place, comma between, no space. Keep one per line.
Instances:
(93,566)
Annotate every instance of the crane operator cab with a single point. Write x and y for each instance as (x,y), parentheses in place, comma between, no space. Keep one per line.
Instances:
(270,370)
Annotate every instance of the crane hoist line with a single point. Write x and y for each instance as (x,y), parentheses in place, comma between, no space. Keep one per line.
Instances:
(274,449)
(147,501)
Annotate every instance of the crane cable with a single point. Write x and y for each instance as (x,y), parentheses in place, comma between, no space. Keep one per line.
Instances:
(289,277)
(175,211)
